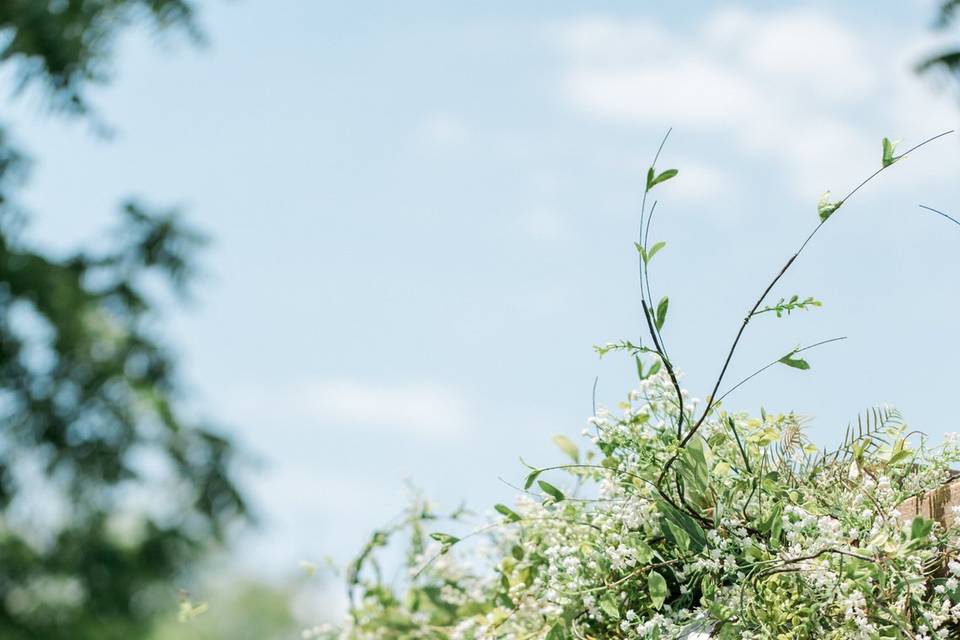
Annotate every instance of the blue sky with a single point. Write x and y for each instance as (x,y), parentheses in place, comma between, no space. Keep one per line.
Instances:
(423,217)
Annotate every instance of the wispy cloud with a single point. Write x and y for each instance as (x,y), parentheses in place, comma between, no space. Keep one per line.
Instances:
(793,86)
(420,409)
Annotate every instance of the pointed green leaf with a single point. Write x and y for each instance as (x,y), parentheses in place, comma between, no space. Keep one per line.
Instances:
(551,490)
(675,534)
(662,312)
(776,528)
(888,149)
(657,586)
(567,446)
(445,539)
(648,255)
(555,633)
(506,511)
(663,177)
(654,369)
(531,478)
(672,517)
(693,467)
(796,363)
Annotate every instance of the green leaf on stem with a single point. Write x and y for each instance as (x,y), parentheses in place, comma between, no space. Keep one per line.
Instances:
(888,149)
(796,363)
(551,491)
(653,181)
(825,208)
(507,512)
(662,312)
(657,586)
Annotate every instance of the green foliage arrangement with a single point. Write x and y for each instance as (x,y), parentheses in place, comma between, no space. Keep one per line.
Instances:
(685,520)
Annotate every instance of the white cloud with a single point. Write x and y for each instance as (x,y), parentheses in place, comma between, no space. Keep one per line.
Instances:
(601,39)
(422,409)
(701,183)
(418,408)
(691,92)
(792,86)
(799,48)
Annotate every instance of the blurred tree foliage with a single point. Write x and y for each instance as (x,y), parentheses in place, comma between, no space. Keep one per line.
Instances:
(66,44)
(947,60)
(107,491)
(242,610)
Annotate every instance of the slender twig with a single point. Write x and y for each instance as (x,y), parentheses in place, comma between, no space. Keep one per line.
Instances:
(646,269)
(950,218)
(711,401)
(777,361)
(643,202)
(813,556)
(743,452)
(647,300)
(644,237)
(666,363)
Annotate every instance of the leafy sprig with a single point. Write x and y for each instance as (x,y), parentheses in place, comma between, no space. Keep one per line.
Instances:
(789,305)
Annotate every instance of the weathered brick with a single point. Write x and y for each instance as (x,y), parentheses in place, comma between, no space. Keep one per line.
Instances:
(935,505)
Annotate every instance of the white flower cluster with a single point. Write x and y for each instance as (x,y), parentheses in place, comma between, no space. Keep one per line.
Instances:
(744,532)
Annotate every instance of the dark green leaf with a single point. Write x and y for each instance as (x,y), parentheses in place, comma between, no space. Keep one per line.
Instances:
(531,478)
(663,177)
(698,539)
(445,539)
(796,363)
(506,511)
(662,312)
(551,490)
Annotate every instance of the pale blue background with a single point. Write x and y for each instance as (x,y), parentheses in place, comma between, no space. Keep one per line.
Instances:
(423,216)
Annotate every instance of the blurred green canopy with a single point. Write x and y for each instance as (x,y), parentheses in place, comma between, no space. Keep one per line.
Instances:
(107,491)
